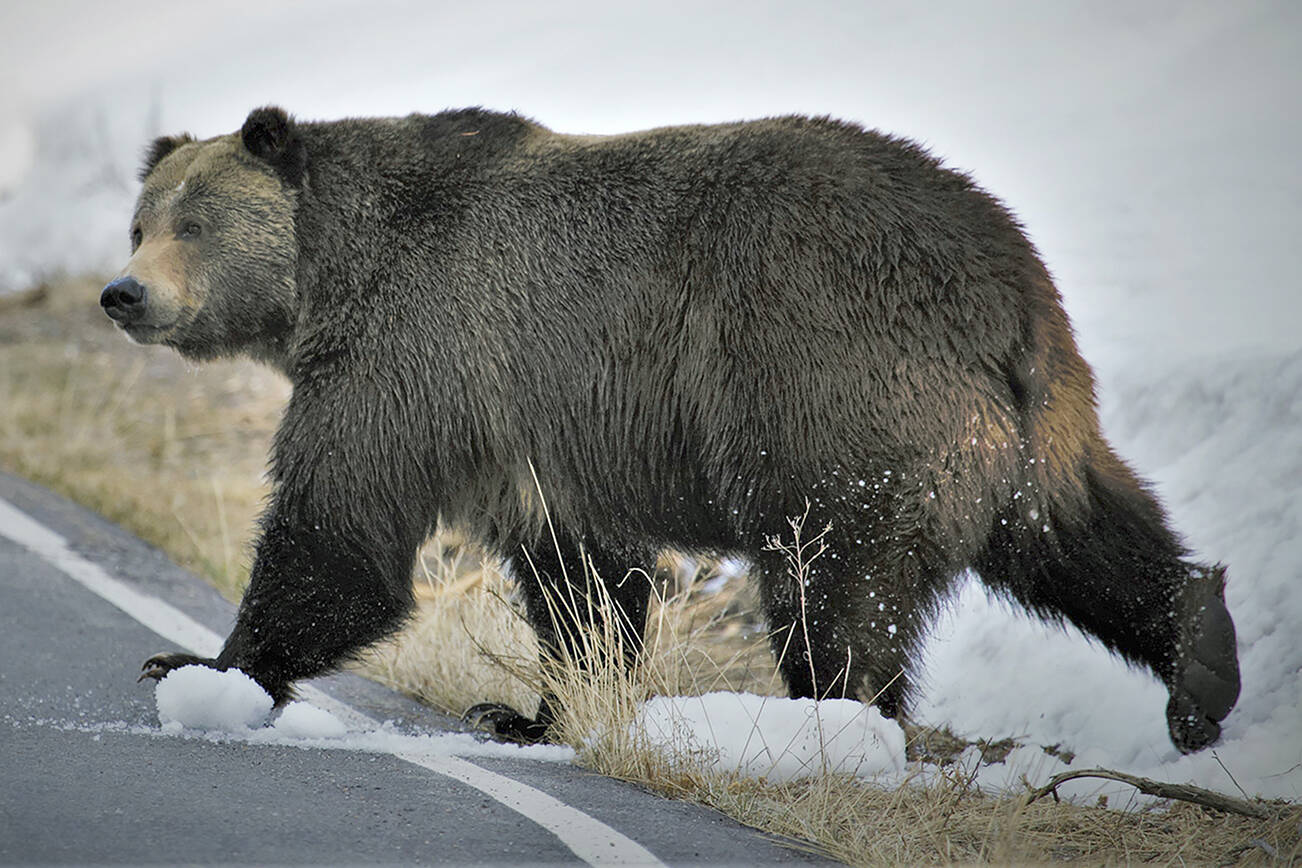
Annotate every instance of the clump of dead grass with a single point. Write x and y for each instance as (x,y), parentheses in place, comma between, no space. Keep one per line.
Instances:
(451,654)
(938,816)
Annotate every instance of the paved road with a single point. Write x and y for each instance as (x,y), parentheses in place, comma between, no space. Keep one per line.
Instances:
(86,776)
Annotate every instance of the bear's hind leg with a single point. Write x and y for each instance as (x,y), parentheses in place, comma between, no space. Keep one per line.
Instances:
(849,624)
(1119,573)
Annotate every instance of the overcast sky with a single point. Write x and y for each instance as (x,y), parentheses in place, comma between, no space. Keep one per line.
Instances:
(1150,148)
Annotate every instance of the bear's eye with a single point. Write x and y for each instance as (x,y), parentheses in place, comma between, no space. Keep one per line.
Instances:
(190,229)
(136,237)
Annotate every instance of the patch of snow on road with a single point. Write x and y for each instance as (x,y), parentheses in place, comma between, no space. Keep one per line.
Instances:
(196,697)
(195,701)
(740,733)
(305,720)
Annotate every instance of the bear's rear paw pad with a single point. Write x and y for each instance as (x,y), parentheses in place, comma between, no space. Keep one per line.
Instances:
(504,723)
(160,664)
(1211,674)
(1207,684)
(1191,729)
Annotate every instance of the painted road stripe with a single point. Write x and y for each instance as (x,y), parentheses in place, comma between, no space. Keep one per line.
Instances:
(591,840)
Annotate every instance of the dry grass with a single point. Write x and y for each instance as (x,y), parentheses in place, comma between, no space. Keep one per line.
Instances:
(452,653)
(175,453)
(939,817)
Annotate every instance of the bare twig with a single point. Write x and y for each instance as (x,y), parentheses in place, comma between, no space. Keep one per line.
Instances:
(1229,774)
(1181,792)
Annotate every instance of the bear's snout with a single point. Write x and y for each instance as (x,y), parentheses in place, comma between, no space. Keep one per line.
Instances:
(123,299)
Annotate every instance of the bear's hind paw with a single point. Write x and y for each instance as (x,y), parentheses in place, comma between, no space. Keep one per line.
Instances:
(1206,684)
(503,723)
(1190,727)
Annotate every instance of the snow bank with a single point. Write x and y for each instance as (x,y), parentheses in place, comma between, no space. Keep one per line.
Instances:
(771,738)
(1222,440)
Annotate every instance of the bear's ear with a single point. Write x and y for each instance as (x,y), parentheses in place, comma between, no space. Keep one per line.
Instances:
(272,136)
(160,148)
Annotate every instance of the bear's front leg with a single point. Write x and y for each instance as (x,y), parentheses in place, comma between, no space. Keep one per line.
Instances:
(316,597)
(332,570)
(313,601)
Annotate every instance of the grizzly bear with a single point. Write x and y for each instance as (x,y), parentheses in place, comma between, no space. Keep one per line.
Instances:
(686,336)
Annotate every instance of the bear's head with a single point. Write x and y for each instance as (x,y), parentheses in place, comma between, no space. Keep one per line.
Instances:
(213,249)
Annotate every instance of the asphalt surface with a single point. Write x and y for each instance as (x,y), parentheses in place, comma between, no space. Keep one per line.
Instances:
(86,776)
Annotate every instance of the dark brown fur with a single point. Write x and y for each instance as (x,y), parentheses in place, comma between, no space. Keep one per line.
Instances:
(688,333)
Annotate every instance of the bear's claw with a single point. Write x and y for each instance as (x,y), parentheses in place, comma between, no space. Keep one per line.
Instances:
(504,723)
(1206,682)
(159,665)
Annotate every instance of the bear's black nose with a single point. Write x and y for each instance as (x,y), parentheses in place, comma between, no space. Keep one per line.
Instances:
(123,299)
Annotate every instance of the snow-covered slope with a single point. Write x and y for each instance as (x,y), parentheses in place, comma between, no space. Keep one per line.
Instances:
(1150,149)
(1222,438)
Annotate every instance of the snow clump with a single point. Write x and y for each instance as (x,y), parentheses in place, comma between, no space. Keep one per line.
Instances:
(196,697)
(305,720)
(772,738)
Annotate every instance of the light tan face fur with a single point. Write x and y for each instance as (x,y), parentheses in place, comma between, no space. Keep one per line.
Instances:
(213,245)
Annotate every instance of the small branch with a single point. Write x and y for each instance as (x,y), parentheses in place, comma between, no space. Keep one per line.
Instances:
(1181,792)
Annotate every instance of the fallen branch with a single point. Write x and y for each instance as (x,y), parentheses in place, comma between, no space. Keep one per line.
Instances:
(1181,792)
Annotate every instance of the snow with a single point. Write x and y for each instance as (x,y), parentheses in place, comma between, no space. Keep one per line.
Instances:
(305,720)
(755,736)
(775,739)
(198,702)
(196,697)
(1149,148)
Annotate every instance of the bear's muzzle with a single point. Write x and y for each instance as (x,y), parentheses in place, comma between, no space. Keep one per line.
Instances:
(124,299)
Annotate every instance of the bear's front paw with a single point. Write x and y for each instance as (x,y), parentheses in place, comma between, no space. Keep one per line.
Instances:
(160,664)
(504,723)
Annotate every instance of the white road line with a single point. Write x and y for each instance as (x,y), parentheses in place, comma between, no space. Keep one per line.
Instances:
(590,839)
